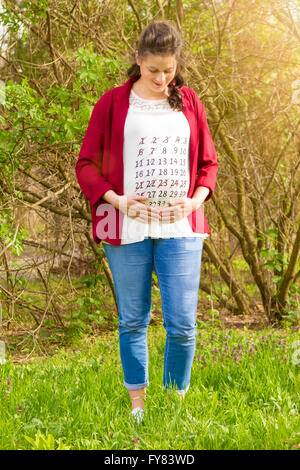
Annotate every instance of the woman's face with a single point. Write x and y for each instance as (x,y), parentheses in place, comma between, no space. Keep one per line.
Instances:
(157,71)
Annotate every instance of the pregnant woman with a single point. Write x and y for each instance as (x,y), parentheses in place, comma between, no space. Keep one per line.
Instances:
(147,164)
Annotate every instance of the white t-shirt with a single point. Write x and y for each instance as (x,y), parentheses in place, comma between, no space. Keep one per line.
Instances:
(156,164)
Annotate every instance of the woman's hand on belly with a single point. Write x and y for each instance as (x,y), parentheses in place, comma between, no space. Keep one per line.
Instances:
(178,209)
(135,207)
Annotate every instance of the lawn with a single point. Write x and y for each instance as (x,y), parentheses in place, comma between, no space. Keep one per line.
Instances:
(243,395)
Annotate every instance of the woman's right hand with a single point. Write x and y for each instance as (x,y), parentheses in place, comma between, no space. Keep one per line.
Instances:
(134,207)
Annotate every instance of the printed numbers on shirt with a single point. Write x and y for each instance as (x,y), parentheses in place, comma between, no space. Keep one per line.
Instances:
(182,151)
(177,194)
(151,184)
(139,185)
(140,174)
(157,203)
(139,163)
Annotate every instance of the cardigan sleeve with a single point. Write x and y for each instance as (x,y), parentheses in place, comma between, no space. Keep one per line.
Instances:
(88,165)
(207,157)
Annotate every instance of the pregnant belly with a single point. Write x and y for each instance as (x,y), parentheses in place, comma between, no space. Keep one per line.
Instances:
(160,192)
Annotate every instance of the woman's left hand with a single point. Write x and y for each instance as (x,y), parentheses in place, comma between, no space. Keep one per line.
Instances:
(178,209)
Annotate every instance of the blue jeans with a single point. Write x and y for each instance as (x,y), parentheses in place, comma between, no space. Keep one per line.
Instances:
(177,264)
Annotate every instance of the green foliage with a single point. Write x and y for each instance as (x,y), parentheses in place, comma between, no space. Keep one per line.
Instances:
(30,120)
(8,234)
(41,442)
(276,262)
(96,71)
(243,395)
(291,310)
(87,310)
(33,120)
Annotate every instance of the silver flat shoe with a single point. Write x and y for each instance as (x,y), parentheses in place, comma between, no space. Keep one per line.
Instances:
(137,414)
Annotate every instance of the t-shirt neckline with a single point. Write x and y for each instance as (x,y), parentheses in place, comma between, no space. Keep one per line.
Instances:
(145,99)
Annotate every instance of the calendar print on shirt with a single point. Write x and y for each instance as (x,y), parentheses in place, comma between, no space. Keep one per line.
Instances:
(161,168)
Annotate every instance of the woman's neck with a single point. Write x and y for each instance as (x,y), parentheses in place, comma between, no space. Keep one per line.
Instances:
(142,93)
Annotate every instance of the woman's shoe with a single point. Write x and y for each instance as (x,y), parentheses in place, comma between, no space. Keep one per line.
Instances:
(138,414)
(181,394)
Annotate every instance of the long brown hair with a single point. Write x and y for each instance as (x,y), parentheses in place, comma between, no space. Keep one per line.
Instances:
(160,37)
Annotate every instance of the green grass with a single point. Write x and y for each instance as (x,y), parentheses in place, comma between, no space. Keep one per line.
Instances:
(243,395)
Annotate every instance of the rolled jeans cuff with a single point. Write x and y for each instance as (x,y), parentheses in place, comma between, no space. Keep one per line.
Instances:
(179,392)
(136,386)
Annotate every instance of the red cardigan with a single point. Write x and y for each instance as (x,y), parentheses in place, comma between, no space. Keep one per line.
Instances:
(100,163)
